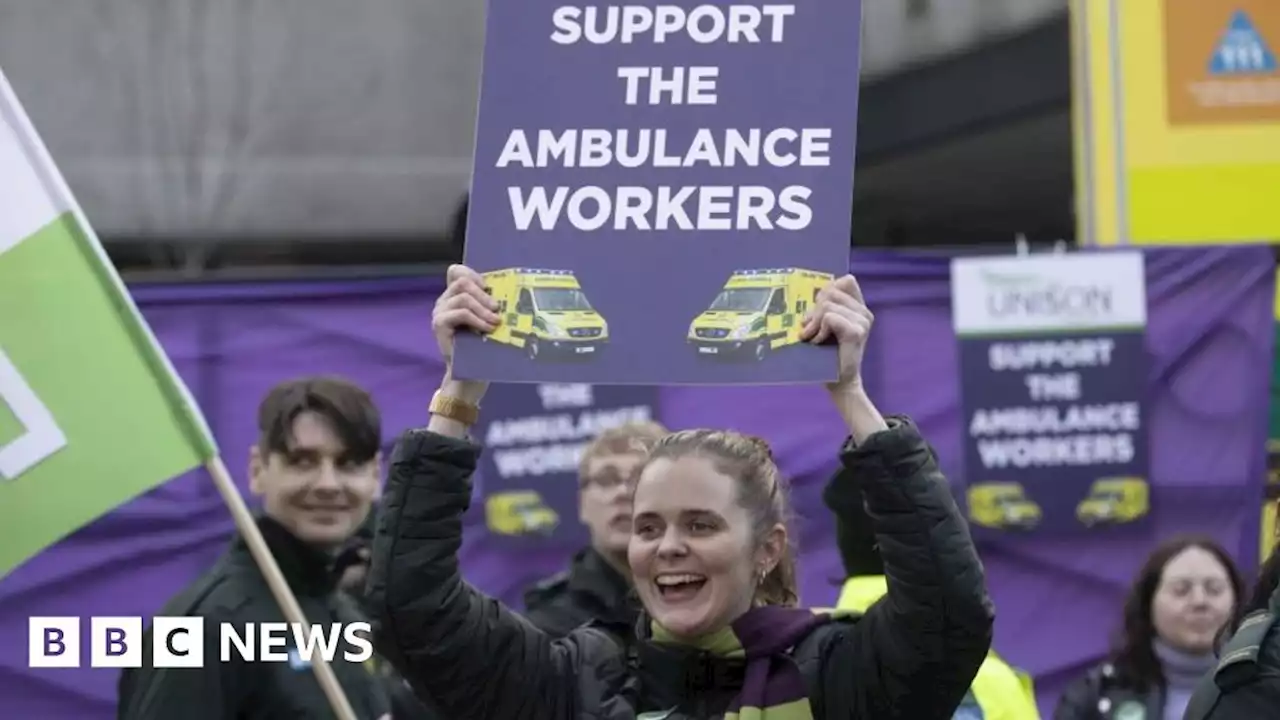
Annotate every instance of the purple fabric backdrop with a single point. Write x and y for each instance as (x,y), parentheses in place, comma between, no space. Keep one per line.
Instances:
(1211,342)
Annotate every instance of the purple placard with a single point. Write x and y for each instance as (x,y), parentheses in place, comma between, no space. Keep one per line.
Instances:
(533,436)
(1052,449)
(736,155)
(1053,370)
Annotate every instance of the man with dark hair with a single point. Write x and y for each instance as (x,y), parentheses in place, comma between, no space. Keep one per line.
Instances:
(317,461)
(316,467)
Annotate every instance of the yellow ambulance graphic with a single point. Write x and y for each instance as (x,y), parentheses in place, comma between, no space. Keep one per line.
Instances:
(519,512)
(1003,506)
(1115,501)
(545,312)
(756,311)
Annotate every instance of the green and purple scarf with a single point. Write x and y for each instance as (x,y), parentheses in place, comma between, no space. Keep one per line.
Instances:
(773,687)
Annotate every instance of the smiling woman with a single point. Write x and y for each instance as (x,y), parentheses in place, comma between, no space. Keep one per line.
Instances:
(1183,596)
(709,539)
(721,634)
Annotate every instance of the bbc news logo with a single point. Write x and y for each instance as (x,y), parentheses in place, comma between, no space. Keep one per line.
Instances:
(179,642)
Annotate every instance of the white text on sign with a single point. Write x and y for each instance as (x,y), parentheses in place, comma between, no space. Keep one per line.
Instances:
(640,205)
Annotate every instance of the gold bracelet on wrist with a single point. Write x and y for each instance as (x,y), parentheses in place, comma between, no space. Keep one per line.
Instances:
(454,409)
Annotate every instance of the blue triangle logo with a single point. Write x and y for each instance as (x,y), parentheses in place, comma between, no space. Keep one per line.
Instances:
(1241,50)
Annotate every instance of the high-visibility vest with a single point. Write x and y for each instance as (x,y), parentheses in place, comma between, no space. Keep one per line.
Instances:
(999,691)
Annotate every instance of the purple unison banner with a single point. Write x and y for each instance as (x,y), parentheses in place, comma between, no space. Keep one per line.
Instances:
(533,436)
(659,190)
(1054,369)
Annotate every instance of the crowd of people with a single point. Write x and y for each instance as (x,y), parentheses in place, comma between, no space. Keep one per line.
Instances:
(684,604)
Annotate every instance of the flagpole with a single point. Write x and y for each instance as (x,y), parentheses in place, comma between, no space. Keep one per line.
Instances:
(193,421)
(275,580)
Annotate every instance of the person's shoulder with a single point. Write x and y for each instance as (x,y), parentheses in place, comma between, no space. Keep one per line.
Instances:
(838,620)
(1103,672)
(218,595)
(597,645)
(1253,651)
(814,645)
(547,590)
(1089,686)
(1252,690)
(552,606)
(1269,657)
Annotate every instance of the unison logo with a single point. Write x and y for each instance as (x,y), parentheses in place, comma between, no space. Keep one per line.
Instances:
(180,642)
(1028,295)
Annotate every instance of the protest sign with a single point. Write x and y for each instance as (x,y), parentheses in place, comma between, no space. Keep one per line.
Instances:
(1053,369)
(533,436)
(660,190)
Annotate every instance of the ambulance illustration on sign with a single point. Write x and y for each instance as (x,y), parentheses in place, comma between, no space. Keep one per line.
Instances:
(520,512)
(756,311)
(1242,50)
(1003,506)
(1115,501)
(545,313)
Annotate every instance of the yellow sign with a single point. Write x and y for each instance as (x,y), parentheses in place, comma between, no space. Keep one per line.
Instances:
(1176,107)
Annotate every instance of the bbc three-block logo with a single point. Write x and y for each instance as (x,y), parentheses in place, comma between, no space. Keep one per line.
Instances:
(180,642)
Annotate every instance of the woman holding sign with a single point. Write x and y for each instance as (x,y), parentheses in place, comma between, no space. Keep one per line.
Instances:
(720,634)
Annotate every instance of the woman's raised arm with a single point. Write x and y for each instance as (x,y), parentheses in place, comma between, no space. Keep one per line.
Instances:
(916,652)
(463,653)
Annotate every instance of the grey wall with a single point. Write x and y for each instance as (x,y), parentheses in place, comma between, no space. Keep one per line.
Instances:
(252,117)
(903,33)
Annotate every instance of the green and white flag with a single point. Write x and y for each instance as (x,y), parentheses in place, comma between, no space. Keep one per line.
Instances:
(92,413)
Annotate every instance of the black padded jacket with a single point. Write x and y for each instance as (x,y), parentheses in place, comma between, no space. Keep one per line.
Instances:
(912,656)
